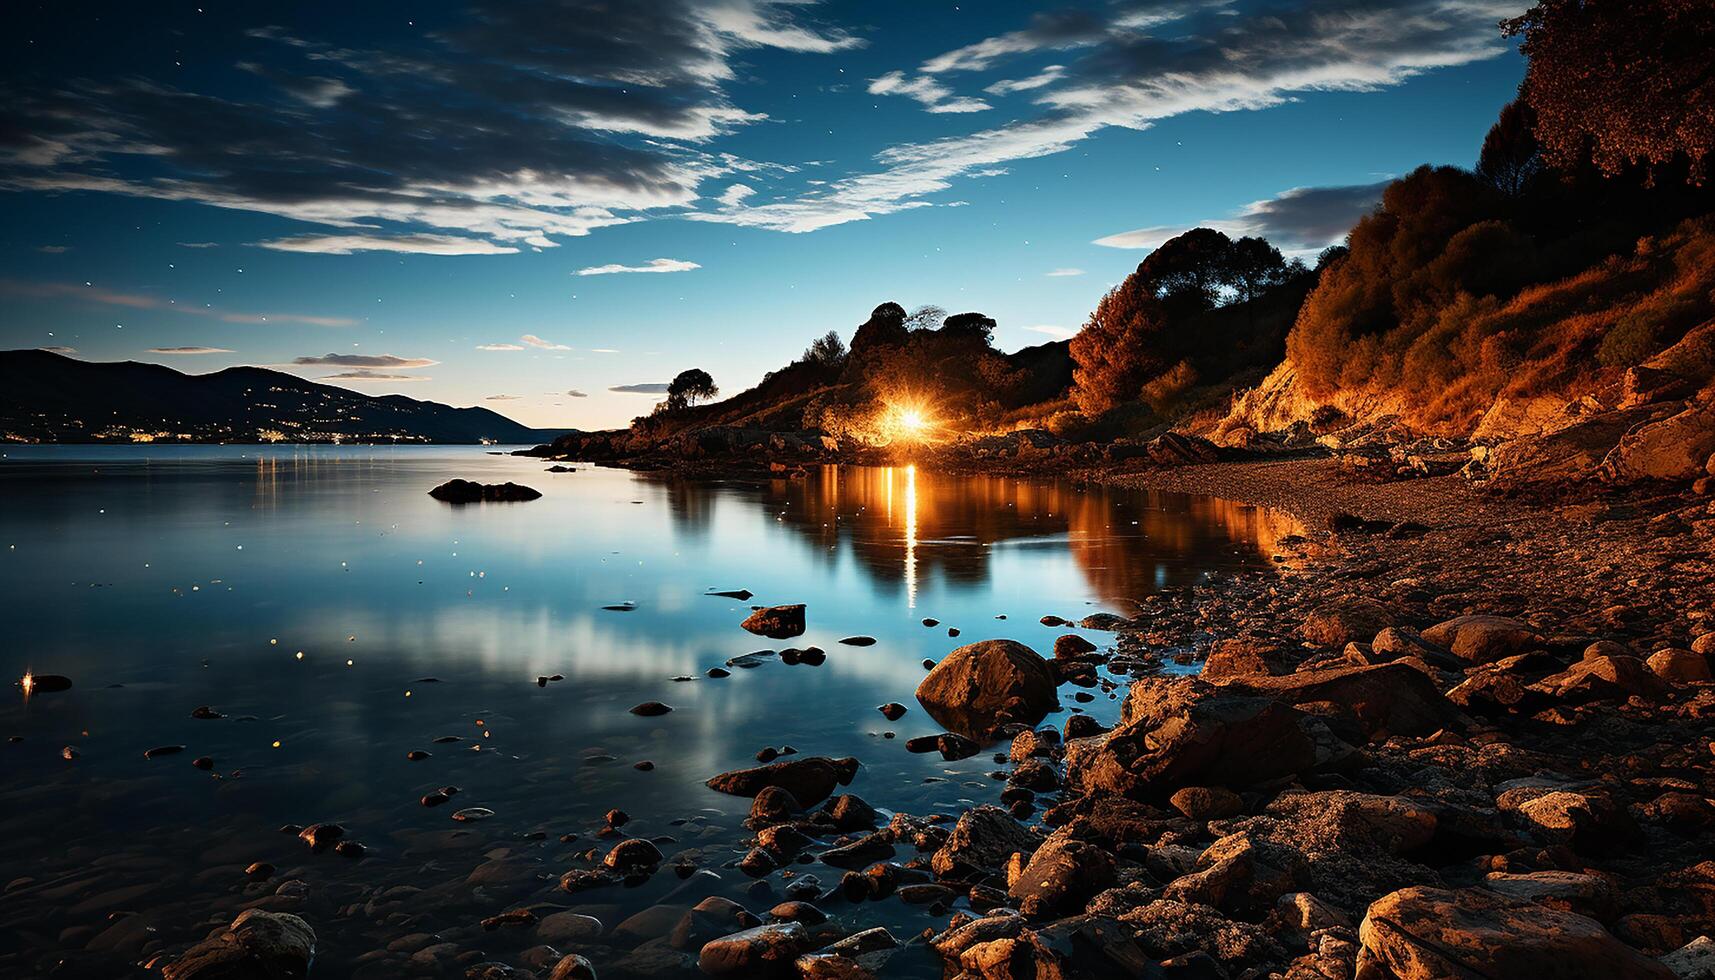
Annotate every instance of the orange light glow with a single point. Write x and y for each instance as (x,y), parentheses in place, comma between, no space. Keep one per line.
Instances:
(908,421)
(28,683)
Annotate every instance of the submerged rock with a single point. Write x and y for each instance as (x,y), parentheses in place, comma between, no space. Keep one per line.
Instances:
(810,780)
(776,622)
(469,492)
(258,944)
(981,686)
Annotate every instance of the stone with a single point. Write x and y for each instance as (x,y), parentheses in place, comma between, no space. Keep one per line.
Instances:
(1680,666)
(1604,678)
(981,841)
(755,952)
(567,927)
(258,944)
(1337,623)
(1568,891)
(633,855)
(650,709)
(810,780)
(1482,639)
(1346,820)
(1387,699)
(773,804)
(849,812)
(1063,874)
(1241,874)
(1424,933)
(1203,803)
(1238,656)
(1071,646)
(1693,961)
(1674,448)
(982,686)
(892,711)
(776,622)
(469,492)
(573,967)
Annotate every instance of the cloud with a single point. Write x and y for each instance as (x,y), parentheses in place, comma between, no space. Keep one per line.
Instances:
(654,388)
(68,351)
(505,125)
(502,398)
(90,293)
(416,244)
(199,244)
(1062,273)
(1047,76)
(1210,57)
(363,375)
(935,96)
(53,249)
(655,265)
(575,393)
(735,194)
(190,350)
(365,361)
(499,347)
(1299,219)
(535,341)
(1058,333)
(603,350)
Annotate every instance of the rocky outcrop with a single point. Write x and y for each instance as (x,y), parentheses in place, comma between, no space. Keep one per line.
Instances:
(468,492)
(1674,448)
(1385,699)
(981,686)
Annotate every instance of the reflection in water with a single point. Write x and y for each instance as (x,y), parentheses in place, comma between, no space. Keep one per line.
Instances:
(164,578)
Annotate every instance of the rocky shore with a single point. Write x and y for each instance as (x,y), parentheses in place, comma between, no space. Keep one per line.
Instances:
(1453,734)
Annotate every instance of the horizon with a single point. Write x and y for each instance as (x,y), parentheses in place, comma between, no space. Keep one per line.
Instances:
(772,172)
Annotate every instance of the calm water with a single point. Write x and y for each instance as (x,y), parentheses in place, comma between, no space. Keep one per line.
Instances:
(306,594)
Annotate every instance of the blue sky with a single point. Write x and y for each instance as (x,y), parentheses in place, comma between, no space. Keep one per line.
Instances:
(417,193)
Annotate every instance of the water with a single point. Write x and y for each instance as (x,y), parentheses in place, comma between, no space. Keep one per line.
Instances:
(308,594)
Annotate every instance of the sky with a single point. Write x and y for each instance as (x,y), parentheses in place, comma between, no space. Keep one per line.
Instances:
(550,209)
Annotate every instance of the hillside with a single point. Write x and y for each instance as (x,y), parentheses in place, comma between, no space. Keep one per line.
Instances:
(47,397)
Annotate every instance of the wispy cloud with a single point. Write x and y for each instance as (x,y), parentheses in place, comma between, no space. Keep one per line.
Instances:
(415,244)
(68,351)
(651,388)
(1299,219)
(1063,273)
(934,96)
(654,265)
(535,341)
(502,398)
(199,244)
(365,361)
(575,393)
(1058,333)
(90,293)
(53,249)
(364,375)
(499,346)
(190,350)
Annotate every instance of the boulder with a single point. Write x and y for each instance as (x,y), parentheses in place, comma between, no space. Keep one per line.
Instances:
(1239,656)
(1475,933)
(763,951)
(468,492)
(1567,891)
(810,780)
(1387,699)
(1482,639)
(983,686)
(1345,820)
(1674,448)
(1604,678)
(572,967)
(1202,803)
(1182,731)
(981,842)
(1241,874)
(1062,875)
(1337,623)
(1680,666)
(258,945)
(776,622)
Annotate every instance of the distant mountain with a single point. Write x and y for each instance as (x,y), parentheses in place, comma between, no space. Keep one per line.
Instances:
(46,397)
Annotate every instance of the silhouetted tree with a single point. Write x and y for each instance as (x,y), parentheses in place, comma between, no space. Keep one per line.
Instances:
(1117,351)
(974,325)
(885,327)
(1187,271)
(1252,267)
(691,387)
(828,350)
(1620,82)
(1510,155)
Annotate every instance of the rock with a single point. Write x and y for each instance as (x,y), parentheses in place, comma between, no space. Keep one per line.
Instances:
(1480,639)
(1239,656)
(850,812)
(560,928)
(573,967)
(650,709)
(1182,731)
(472,814)
(776,622)
(1567,891)
(468,492)
(258,945)
(633,855)
(1680,666)
(810,780)
(1071,646)
(162,750)
(1473,933)
(1693,961)
(774,804)
(1204,803)
(1335,624)
(1063,874)
(1348,821)
(892,710)
(1388,699)
(48,683)
(321,836)
(762,951)
(1674,448)
(1586,820)
(980,843)
(981,686)
(858,641)
(866,850)
(1241,874)
(1604,678)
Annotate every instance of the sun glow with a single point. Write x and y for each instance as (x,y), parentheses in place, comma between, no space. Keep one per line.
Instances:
(908,422)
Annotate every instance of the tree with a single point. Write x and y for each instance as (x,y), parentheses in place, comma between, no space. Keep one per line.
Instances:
(926,318)
(1253,267)
(828,350)
(1511,156)
(1187,271)
(691,387)
(1115,353)
(1620,82)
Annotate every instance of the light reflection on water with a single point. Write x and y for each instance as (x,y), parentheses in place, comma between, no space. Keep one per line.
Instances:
(161,579)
